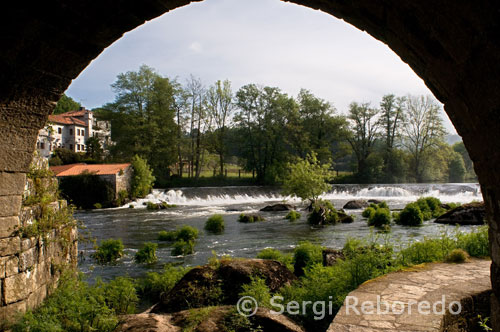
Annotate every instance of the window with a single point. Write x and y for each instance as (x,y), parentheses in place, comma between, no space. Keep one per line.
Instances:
(71,133)
(59,130)
(83,132)
(71,146)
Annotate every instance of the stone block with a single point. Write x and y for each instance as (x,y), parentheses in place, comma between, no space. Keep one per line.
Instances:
(11,266)
(9,312)
(28,258)
(8,225)
(12,183)
(9,246)
(19,286)
(10,205)
(36,298)
(29,243)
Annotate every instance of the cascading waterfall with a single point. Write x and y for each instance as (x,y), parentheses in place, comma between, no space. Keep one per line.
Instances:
(220,196)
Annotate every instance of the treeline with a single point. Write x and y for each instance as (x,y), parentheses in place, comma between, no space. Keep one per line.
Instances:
(186,129)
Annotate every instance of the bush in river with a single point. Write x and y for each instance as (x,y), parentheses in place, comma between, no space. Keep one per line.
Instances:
(147,254)
(250,218)
(322,213)
(410,216)
(380,218)
(293,215)
(368,212)
(109,251)
(182,247)
(215,224)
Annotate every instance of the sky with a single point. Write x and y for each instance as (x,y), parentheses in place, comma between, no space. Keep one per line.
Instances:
(266,42)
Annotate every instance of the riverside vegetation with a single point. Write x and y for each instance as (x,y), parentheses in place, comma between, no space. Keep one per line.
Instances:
(77,306)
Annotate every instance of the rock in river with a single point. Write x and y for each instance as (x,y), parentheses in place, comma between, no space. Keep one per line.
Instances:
(278,207)
(354,205)
(467,214)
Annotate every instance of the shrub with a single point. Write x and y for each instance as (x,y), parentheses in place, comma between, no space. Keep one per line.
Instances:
(293,215)
(430,207)
(368,212)
(183,248)
(147,254)
(123,198)
(120,294)
(274,254)
(152,206)
(257,289)
(130,206)
(154,284)
(383,205)
(457,256)
(305,255)
(215,224)
(97,206)
(380,218)
(76,306)
(167,236)
(410,216)
(476,243)
(323,213)
(250,218)
(142,179)
(187,233)
(109,251)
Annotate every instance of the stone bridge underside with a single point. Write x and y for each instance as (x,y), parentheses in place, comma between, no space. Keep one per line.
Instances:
(454,46)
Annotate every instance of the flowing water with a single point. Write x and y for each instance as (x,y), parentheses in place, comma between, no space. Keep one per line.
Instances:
(195,205)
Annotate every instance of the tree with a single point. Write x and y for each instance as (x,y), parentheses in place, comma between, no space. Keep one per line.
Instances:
(457,168)
(423,130)
(469,166)
(66,104)
(220,106)
(307,179)
(142,118)
(142,179)
(364,131)
(94,149)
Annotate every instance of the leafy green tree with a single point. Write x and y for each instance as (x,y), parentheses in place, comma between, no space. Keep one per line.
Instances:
(142,179)
(457,168)
(307,179)
(94,149)
(66,104)
(469,166)
(142,118)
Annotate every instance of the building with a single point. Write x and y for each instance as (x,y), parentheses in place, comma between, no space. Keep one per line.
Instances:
(71,130)
(118,175)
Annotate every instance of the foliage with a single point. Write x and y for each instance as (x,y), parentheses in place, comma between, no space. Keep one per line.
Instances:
(293,215)
(94,149)
(215,224)
(457,171)
(187,233)
(182,247)
(154,285)
(123,198)
(76,306)
(66,156)
(368,212)
(323,213)
(410,216)
(87,189)
(66,104)
(305,255)
(147,254)
(108,251)
(250,218)
(167,236)
(257,289)
(475,243)
(274,254)
(307,178)
(142,179)
(381,217)
(457,256)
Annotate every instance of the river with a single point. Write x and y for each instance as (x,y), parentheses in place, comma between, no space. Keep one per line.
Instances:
(195,205)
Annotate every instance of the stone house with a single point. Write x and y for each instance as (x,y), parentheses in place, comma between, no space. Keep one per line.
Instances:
(118,175)
(71,130)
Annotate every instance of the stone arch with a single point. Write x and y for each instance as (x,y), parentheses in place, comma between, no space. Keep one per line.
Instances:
(454,46)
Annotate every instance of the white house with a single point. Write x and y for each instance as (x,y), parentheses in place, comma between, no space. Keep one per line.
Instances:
(71,130)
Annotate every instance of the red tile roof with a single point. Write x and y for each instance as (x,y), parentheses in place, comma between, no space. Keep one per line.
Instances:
(98,169)
(67,120)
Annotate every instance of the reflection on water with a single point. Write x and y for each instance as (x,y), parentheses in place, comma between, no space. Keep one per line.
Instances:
(136,226)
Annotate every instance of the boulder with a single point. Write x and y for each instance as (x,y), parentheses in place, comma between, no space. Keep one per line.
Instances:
(211,319)
(330,256)
(277,208)
(211,285)
(344,218)
(467,214)
(374,201)
(356,205)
